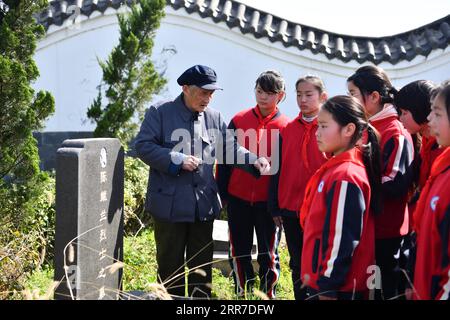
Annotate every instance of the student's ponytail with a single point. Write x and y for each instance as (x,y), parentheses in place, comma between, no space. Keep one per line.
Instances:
(369,79)
(372,162)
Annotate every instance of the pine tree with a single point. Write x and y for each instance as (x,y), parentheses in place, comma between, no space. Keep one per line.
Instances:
(129,76)
(22,110)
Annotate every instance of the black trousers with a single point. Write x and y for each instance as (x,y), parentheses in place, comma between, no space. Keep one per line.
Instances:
(243,218)
(387,255)
(173,241)
(294,239)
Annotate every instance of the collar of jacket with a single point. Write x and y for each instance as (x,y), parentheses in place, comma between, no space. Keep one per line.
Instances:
(186,114)
(388,111)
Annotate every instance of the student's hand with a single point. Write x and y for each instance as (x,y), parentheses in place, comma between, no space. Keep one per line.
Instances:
(326,298)
(263,165)
(278,222)
(191,163)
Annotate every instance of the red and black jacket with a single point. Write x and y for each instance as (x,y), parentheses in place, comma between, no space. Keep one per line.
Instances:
(397,174)
(423,161)
(236,182)
(432,271)
(339,240)
(300,158)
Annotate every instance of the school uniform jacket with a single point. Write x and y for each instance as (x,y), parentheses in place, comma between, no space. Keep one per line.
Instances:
(300,158)
(339,238)
(237,182)
(422,168)
(397,174)
(432,272)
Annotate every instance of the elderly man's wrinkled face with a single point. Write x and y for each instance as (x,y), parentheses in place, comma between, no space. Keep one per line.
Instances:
(197,99)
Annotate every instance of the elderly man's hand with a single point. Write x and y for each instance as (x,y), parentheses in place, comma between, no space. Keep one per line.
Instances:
(191,163)
(263,165)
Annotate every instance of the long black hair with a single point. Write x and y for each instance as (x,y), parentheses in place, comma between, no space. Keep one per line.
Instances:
(371,78)
(345,110)
(416,98)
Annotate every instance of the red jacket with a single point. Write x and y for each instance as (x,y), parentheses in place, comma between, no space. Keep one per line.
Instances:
(237,182)
(300,158)
(339,240)
(397,157)
(429,151)
(432,272)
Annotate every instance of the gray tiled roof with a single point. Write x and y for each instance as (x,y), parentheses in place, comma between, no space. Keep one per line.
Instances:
(393,49)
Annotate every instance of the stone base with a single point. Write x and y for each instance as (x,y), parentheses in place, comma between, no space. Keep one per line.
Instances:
(222,262)
(222,245)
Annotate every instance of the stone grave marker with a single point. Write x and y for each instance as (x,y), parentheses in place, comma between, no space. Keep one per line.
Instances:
(89,219)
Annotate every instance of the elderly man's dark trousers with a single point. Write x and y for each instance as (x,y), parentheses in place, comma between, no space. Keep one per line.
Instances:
(173,241)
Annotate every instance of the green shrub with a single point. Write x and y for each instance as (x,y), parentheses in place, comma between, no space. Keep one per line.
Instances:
(140,261)
(27,244)
(136,177)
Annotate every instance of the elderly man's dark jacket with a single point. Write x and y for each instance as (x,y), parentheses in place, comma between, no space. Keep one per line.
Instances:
(174,194)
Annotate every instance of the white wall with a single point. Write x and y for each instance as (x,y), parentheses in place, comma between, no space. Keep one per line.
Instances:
(67,59)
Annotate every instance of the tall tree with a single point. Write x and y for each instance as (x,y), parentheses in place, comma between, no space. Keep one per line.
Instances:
(129,76)
(22,110)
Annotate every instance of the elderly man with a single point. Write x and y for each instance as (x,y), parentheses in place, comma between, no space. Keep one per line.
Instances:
(182,195)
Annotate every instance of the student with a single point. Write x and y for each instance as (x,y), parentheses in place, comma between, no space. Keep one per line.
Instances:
(300,158)
(432,273)
(247,196)
(414,103)
(341,200)
(372,87)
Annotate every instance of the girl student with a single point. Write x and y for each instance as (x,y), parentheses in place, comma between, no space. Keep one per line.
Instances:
(432,271)
(341,200)
(372,87)
(300,157)
(247,195)
(413,102)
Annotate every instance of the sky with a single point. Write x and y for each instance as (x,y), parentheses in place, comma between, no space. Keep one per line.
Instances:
(371,18)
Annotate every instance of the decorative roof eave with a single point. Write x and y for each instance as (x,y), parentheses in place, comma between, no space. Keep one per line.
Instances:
(260,24)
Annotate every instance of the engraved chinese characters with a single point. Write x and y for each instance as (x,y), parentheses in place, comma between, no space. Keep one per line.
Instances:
(89,219)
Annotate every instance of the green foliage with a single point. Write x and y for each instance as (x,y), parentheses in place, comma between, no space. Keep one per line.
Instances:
(223,286)
(136,176)
(27,245)
(22,111)
(40,283)
(140,261)
(25,212)
(129,77)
